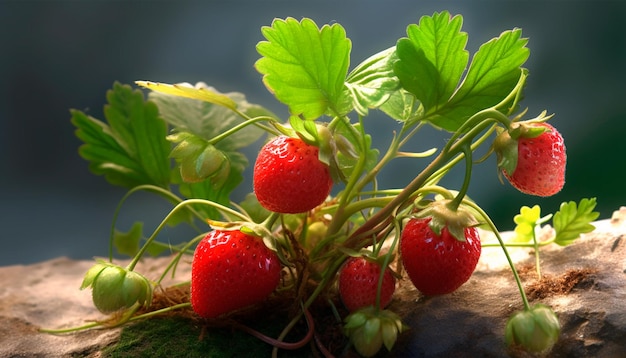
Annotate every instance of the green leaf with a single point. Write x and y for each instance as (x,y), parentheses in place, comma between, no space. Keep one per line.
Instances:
(526,222)
(186,90)
(572,220)
(373,81)
(403,106)
(127,243)
(130,149)
(432,59)
(254,209)
(494,72)
(207,120)
(305,66)
(198,124)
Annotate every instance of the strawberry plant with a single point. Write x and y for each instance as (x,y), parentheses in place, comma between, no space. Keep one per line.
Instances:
(317,226)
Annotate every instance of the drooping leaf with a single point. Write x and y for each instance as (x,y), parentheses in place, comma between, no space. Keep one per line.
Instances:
(305,66)
(494,72)
(207,120)
(186,90)
(373,81)
(432,59)
(130,148)
(572,220)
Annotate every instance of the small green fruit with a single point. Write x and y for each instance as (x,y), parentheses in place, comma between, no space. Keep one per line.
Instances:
(535,330)
(115,288)
(370,328)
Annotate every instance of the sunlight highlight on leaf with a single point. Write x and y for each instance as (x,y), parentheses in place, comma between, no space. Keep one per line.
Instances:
(305,66)
(188,91)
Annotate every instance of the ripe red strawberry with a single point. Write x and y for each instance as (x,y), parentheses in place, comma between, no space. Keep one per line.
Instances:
(540,161)
(231,270)
(288,176)
(358,284)
(438,264)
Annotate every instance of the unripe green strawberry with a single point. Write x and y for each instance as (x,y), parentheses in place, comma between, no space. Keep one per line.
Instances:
(116,288)
(289,177)
(231,270)
(535,330)
(533,164)
(369,328)
(358,284)
(438,264)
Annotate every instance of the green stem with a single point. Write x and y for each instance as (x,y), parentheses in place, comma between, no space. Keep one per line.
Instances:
(178,207)
(537,263)
(150,188)
(172,265)
(493,228)
(467,151)
(134,318)
(248,121)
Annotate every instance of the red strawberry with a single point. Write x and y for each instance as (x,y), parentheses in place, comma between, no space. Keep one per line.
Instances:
(288,176)
(536,166)
(438,264)
(358,284)
(231,270)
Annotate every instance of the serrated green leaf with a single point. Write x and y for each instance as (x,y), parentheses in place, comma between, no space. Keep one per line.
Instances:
(373,81)
(305,66)
(526,222)
(432,59)
(127,243)
(130,148)
(572,220)
(207,120)
(494,72)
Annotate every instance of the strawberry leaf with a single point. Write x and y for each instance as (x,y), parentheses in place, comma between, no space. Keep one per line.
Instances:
(207,120)
(305,66)
(129,149)
(186,90)
(432,59)
(572,220)
(403,106)
(493,74)
(373,81)
(127,243)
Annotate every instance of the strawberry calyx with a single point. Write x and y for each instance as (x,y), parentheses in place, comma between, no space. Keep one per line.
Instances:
(329,142)
(369,328)
(444,214)
(506,143)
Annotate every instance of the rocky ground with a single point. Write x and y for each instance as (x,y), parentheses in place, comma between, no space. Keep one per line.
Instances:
(585,283)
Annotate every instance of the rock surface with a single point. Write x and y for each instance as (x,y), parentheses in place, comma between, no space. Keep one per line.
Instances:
(585,283)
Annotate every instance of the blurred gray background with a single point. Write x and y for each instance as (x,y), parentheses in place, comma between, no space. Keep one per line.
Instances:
(57,55)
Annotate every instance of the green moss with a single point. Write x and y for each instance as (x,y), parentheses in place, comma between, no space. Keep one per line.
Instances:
(180,337)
